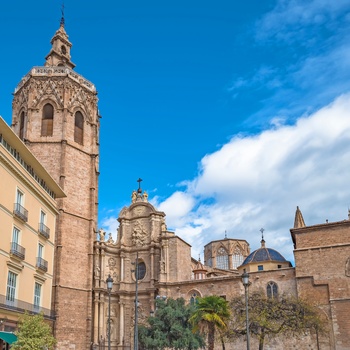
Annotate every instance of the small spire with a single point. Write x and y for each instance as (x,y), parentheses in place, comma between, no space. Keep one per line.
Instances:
(262,238)
(299,220)
(199,257)
(62,15)
(225,235)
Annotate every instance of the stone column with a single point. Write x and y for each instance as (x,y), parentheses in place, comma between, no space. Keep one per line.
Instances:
(121,323)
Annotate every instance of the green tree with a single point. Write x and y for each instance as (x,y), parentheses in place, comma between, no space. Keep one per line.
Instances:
(211,314)
(33,334)
(170,327)
(273,316)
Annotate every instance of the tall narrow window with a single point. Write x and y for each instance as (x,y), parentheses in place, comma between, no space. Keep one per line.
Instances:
(78,128)
(42,217)
(21,126)
(237,259)
(37,295)
(15,235)
(19,198)
(222,259)
(47,120)
(272,290)
(40,250)
(11,288)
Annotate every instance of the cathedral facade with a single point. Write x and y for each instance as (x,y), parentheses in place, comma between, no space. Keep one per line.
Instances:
(56,116)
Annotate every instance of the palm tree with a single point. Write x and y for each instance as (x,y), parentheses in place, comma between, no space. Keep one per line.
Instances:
(211,313)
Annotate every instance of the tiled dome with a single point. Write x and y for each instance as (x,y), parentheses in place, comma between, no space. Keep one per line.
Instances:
(263,254)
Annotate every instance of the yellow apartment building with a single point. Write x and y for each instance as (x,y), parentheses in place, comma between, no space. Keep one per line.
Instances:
(28,212)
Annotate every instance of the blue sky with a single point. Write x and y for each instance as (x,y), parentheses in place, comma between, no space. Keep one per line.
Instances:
(232,112)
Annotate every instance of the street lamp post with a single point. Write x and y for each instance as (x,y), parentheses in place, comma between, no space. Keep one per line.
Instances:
(245,281)
(136,329)
(109,282)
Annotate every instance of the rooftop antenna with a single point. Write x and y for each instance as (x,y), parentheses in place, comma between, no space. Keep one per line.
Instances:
(62,14)
(139,189)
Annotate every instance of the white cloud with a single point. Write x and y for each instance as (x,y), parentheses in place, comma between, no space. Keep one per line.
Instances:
(257,181)
(290,18)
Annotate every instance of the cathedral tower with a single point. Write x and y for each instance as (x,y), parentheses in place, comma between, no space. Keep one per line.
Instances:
(55,113)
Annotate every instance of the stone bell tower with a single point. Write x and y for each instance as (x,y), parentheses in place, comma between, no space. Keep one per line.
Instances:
(55,113)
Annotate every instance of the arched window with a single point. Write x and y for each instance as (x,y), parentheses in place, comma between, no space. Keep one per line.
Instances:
(47,120)
(78,128)
(237,259)
(272,290)
(222,259)
(21,126)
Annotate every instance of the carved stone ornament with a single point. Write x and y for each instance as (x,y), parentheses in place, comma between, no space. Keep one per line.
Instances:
(139,235)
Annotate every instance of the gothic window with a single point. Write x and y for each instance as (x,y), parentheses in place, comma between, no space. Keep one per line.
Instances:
(193,299)
(78,128)
(237,259)
(210,263)
(47,120)
(21,126)
(222,259)
(272,290)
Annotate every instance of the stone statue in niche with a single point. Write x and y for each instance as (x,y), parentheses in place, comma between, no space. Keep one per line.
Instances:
(102,235)
(347,268)
(139,235)
(97,271)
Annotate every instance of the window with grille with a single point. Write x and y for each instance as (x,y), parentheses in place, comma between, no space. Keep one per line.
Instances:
(47,120)
(222,259)
(272,290)
(11,287)
(37,295)
(78,128)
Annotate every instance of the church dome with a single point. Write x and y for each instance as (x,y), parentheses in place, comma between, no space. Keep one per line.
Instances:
(263,254)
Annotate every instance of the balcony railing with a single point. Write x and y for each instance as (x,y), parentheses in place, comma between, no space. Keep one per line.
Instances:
(17,251)
(44,230)
(20,212)
(22,306)
(41,264)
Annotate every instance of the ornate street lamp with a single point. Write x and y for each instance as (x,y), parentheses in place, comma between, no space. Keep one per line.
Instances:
(246,283)
(136,329)
(109,282)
